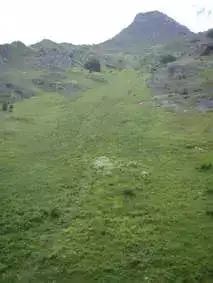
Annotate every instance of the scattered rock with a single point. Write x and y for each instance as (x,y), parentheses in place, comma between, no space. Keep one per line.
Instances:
(103,163)
(200,149)
(184,81)
(145,173)
(206,49)
(204,105)
(38,82)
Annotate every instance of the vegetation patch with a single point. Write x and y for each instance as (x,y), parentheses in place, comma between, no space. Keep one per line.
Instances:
(87,197)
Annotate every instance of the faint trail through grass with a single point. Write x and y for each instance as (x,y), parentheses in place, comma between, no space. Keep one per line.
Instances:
(141,214)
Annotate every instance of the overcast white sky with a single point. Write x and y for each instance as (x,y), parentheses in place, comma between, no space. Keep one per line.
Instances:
(90,21)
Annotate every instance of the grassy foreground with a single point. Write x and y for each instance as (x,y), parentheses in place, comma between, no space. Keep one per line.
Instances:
(105,188)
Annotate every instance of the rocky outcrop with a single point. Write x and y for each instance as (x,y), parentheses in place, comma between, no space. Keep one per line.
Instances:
(52,59)
(14,53)
(206,49)
(11,92)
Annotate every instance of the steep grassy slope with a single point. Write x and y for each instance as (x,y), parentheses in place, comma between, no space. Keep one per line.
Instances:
(49,66)
(105,188)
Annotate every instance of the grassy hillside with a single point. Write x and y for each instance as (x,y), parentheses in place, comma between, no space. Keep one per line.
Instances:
(105,188)
(19,84)
(46,65)
(52,67)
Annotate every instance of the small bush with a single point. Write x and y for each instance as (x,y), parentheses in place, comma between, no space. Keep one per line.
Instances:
(4,106)
(128,193)
(209,191)
(209,213)
(205,167)
(93,65)
(54,213)
(167,59)
(11,107)
(209,33)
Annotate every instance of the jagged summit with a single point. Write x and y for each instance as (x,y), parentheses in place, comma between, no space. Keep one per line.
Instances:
(156,17)
(148,29)
(141,16)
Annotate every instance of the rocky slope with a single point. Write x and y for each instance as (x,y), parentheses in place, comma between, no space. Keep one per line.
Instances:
(147,29)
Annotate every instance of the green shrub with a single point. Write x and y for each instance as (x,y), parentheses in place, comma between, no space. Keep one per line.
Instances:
(209,190)
(93,65)
(4,106)
(54,213)
(209,33)
(128,192)
(11,107)
(167,59)
(209,212)
(205,167)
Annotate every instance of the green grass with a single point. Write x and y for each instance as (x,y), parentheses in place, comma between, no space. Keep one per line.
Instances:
(85,79)
(103,188)
(207,76)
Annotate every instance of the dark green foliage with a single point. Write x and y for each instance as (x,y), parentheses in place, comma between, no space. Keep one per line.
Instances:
(209,191)
(93,65)
(128,192)
(205,167)
(11,107)
(55,213)
(209,33)
(5,106)
(165,59)
(209,212)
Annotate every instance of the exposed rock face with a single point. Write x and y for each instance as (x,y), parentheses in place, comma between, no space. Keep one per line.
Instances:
(53,58)
(14,53)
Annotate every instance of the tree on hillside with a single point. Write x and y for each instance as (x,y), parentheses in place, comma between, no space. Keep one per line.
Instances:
(209,33)
(93,65)
(4,106)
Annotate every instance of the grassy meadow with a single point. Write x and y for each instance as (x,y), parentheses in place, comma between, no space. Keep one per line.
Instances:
(103,187)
